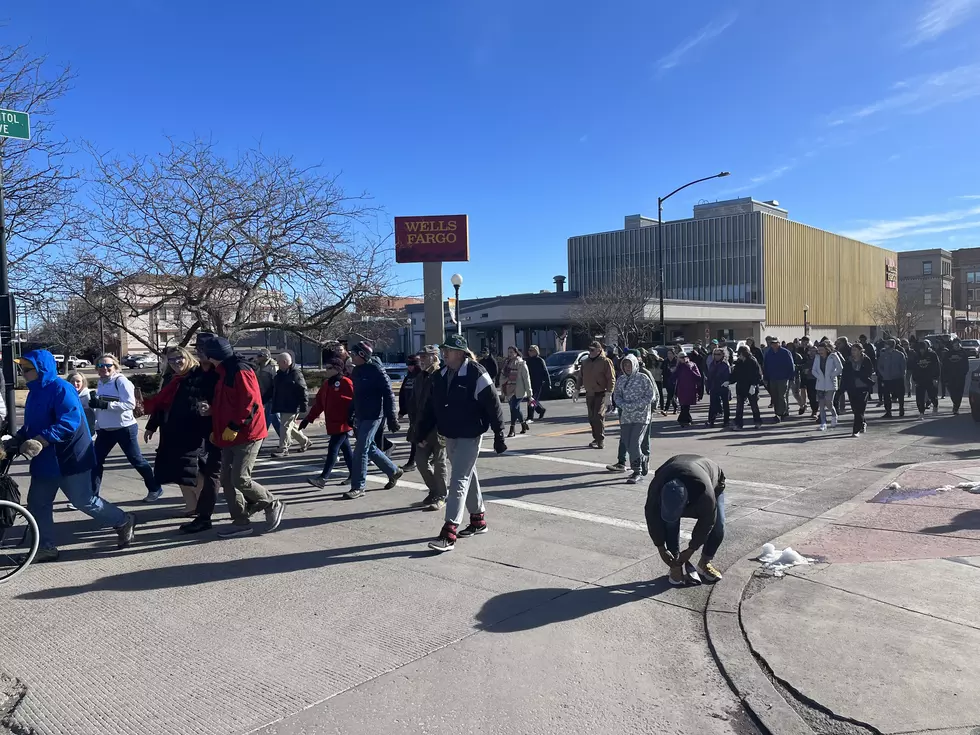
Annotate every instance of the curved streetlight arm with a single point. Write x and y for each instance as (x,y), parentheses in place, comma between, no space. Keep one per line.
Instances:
(692,183)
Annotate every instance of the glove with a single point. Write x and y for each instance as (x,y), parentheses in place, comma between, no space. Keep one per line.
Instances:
(499,445)
(95,401)
(303,424)
(31,448)
(229,435)
(393,426)
(11,447)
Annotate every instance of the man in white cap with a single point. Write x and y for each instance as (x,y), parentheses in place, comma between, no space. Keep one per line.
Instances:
(463,405)
(687,486)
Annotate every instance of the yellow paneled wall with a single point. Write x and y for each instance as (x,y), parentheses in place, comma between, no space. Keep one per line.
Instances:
(837,277)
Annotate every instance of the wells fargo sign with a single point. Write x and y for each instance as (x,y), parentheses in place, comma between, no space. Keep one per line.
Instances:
(439,238)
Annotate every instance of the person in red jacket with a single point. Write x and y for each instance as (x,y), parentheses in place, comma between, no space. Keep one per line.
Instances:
(238,428)
(333,400)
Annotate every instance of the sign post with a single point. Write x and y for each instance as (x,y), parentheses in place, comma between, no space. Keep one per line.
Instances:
(432,241)
(12,125)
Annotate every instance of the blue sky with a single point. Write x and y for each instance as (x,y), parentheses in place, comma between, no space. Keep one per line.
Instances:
(544,119)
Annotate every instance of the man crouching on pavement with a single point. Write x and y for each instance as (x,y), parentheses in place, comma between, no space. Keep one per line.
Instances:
(687,486)
(463,405)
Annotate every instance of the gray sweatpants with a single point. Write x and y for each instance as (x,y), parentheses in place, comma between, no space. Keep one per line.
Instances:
(632,435)
(464,485)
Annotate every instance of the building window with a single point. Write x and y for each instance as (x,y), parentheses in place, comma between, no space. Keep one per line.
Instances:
(927,296)
(947,268)
(927,267)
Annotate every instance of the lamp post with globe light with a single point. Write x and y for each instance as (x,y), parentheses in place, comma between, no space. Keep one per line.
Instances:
(457,281)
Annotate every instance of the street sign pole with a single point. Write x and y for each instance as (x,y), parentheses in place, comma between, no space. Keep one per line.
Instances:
(17,125)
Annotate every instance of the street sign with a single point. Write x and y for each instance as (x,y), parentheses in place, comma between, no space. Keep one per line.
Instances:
(15,124)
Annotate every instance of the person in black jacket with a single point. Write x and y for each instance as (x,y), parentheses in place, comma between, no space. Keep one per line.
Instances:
(265,372)
(858,379)
(747,376)
(956,364)
(463,406)
(405,394)
(489,364)
(539,380)
(925,372)
(687,486)
(291,403)
(374,404)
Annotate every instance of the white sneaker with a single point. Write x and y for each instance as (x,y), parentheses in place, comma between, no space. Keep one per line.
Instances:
(922,417)
(822,427)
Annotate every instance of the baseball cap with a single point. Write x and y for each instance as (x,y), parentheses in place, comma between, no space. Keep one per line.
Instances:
(455,342)
(673,501)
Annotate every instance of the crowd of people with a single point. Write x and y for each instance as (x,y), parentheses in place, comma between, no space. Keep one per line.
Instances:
(824,378)
(215,409)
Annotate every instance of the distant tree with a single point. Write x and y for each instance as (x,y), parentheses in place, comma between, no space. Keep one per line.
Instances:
(72,328)
(624,305)
(898,312)
(38,184)
(232,244)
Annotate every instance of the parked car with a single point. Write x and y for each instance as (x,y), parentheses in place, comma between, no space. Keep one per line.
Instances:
(565,372)
(138,362)
(397,372)
(78,362)
(971,347)
(662,349)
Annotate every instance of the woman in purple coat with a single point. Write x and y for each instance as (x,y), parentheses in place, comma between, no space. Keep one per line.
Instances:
(688,379)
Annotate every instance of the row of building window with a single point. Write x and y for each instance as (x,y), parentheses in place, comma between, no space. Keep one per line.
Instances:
(947,268)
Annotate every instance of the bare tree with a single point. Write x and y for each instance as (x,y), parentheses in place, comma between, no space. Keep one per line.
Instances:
(39,186)
(71,327)
(234,245)
(898,312)
(624,304)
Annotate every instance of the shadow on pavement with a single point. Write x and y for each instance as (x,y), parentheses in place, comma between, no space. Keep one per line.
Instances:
(186,575)
(968,520)
(512,612)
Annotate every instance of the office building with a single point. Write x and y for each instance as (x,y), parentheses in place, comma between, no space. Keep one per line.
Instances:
(925,281)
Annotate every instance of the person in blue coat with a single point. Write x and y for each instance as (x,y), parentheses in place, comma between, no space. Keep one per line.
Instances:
(55,437)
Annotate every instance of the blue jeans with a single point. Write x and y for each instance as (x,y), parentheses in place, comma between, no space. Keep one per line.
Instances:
(515,411)
(128,440)
(366,448)
(339,443)
(80,491)
(272,419)
(672,532)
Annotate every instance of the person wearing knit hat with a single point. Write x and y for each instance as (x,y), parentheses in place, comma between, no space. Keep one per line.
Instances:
(265,371)
(238,429)
(374,403)
(333,400)
(540,382)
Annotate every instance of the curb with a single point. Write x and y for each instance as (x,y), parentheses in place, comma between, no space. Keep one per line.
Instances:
(727,640)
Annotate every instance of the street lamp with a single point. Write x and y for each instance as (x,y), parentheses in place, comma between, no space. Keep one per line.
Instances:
(806,323)
(457,281)
(299,307)
(968,333)
(908,324)
(660,241)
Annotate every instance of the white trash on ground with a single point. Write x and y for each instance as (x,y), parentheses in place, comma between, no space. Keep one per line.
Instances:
(776,562)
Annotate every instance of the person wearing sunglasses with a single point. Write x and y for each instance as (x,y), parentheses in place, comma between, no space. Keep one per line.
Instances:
(182,427)
(114,401)
(56,439)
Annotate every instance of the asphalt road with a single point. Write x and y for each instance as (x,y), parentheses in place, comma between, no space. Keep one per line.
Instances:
(557,621)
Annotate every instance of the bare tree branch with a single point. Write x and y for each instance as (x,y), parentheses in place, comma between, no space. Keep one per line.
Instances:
(898,312)
(624,306)
(39,186)
(190,240)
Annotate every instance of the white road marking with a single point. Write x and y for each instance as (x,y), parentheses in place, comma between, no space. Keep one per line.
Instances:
(600,466)
(576,514)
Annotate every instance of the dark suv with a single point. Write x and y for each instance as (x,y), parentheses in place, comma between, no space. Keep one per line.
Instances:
(565,372)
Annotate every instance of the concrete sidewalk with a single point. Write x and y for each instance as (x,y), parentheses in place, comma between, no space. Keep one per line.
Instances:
(881,635)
